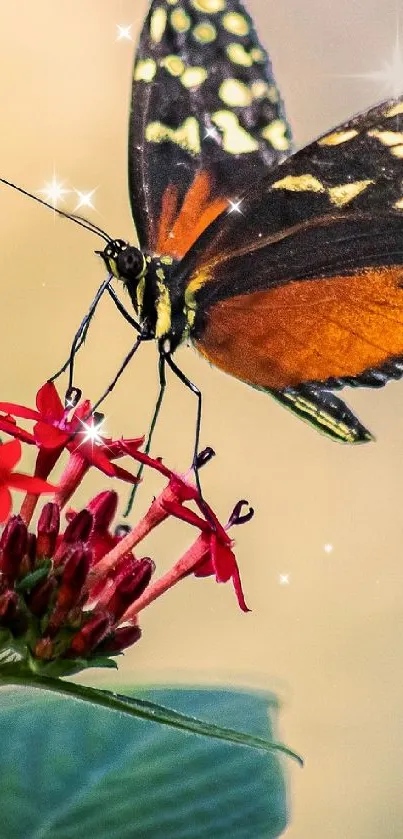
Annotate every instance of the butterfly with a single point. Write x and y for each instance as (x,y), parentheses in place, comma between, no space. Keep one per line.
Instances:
(282,269)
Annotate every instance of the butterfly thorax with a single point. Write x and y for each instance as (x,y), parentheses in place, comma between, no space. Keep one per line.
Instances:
(148,280)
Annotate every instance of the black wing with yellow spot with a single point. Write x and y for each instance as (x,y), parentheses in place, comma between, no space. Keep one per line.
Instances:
(300,292)
(206,119)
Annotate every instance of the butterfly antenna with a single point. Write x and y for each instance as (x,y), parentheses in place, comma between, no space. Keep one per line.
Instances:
(83,222)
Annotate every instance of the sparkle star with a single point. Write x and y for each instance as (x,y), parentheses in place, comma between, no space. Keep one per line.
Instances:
(235,207)
(284,579)
(84,199)
(54,191)
(328,548)
(210,132)
(124,32)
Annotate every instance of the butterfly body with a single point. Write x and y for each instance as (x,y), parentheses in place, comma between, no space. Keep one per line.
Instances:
(285,272)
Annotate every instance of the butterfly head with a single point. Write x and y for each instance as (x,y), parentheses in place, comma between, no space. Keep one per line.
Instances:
(124,261)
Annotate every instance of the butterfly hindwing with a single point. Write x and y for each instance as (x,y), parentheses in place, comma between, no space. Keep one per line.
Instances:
(206,119)
(304,283)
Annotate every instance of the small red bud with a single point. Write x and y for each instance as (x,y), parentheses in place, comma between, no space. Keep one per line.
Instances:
(8,607)
(120,638)
(79,528)
(48,530)
(90,635)
(103,509)
(13,545)
(40,598)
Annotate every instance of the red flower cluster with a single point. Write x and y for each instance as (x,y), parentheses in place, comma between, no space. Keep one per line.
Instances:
(76,595)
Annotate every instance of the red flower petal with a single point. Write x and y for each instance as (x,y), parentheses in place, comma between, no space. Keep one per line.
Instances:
(5,503)
(33,485)
(49,403)
(19,410)
(49,437)
(9,426)
(10,454)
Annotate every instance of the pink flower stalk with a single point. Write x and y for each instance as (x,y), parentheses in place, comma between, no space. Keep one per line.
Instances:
(70,597)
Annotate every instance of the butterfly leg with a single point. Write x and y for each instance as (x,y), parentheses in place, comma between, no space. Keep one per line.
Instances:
(192,387)
(116,378)
(325,411)
(81,334)
(162,380)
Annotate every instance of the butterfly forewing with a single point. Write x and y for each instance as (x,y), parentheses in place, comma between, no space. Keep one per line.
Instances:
(206,119)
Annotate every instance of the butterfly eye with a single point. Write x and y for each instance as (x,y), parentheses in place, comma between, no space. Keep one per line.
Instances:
(130,263)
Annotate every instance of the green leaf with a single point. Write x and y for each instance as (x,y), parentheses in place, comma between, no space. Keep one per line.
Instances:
(18,674)
(70,769)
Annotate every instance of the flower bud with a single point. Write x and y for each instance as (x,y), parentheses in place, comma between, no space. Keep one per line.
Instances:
(103,509)
(90,635)
(8,607)
(48,530)
(13,544)
(120,638)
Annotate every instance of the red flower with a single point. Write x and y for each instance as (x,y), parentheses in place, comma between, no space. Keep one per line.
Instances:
(10,454)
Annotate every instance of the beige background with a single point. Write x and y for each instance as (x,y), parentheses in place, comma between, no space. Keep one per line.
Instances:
(330,643)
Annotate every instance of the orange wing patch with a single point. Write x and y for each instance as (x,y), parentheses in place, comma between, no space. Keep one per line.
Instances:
(177,231)
(308,330)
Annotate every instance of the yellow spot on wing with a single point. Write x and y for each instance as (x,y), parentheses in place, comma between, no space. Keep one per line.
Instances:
(211,6)
(258,54)
(235,23)
(145,70)
(180,21)
(205,33)
(300,183)
(343,194)
(235,139)
(187,136)
(338,137)
(397,151)
(166,260)
(194,77)
(387,138)
(173,64)
(235,94)
(395,110)
(238,55)
(399,204)
(172,2)
(157,24)
(259,89)
(274,133)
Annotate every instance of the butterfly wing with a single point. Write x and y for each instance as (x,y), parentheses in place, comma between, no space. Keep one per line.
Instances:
(303,285)
(206,118)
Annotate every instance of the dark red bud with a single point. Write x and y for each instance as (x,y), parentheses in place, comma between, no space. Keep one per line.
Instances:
(130,584)
(73,577)
(8,607)
(120,639)
(40,598)
(28,560)
(90,635)
(48,530)
(79,528)
(13,545)
(103,509)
